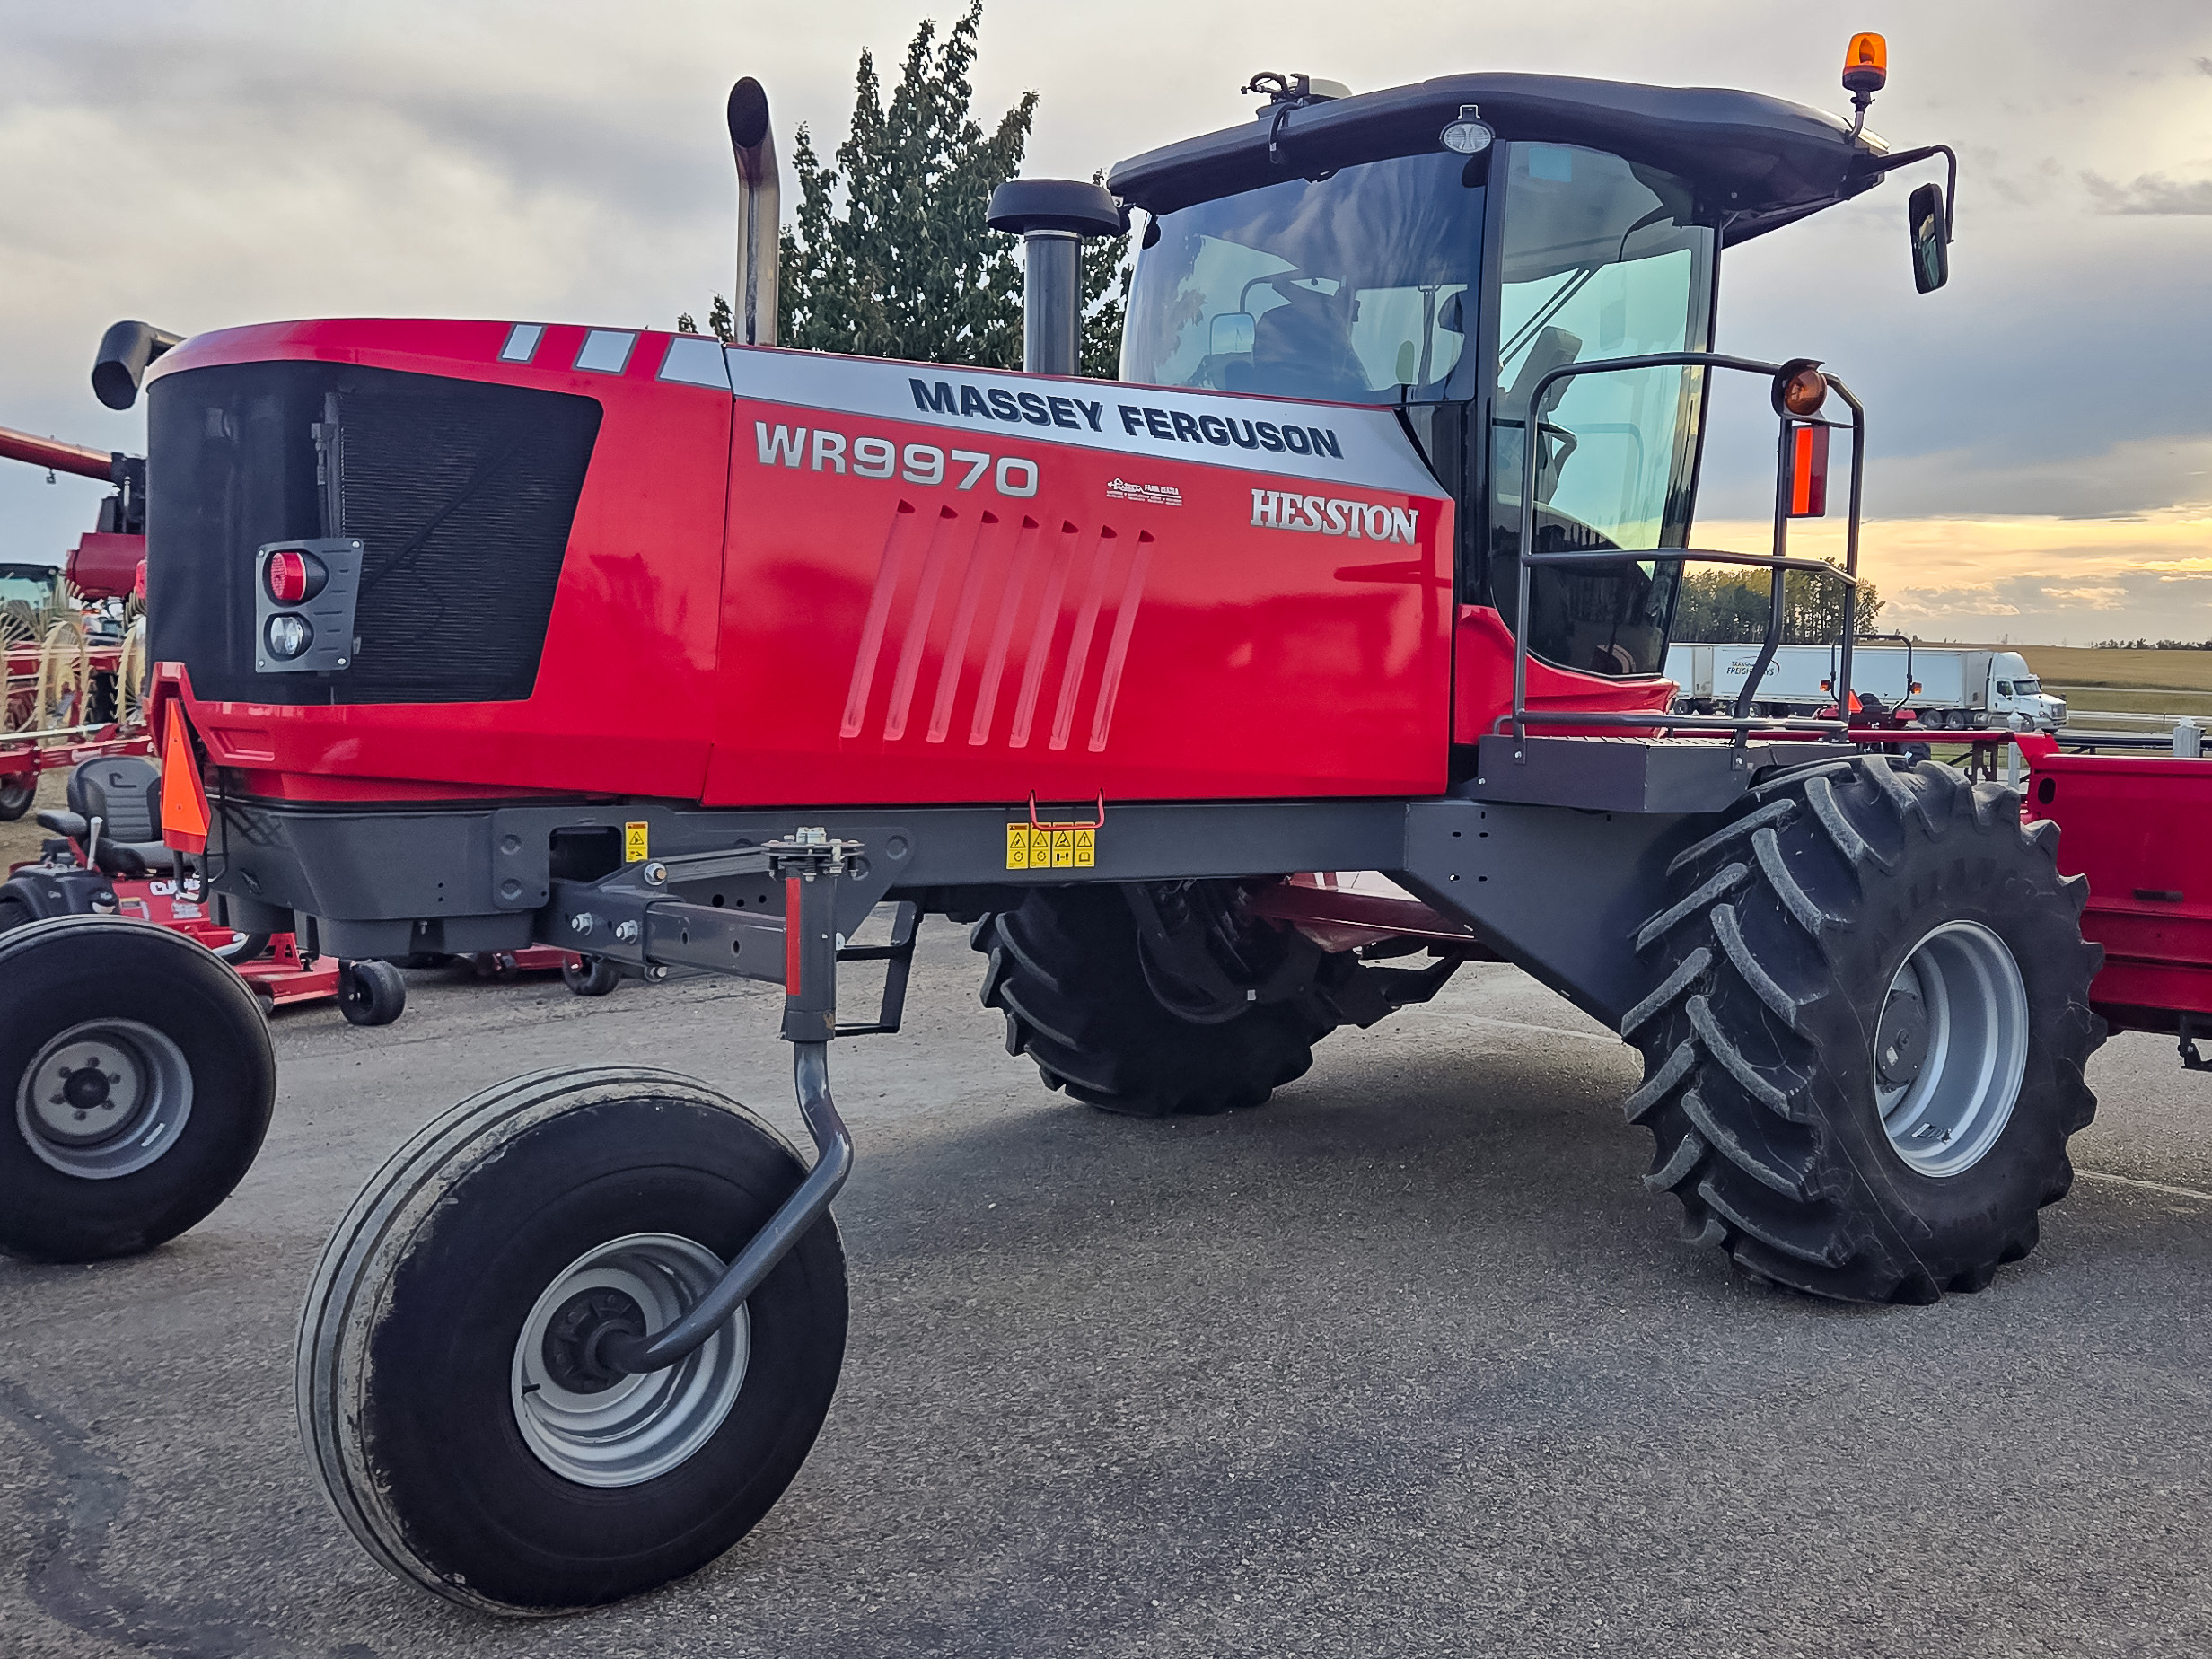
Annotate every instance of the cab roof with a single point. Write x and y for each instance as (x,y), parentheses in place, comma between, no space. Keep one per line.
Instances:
(1758,161)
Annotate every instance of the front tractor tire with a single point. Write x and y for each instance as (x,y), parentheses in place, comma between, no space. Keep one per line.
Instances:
(1067,970)
(449,1384)
(1865,1051)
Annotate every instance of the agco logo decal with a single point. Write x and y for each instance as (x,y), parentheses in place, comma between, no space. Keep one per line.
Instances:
(1320,515)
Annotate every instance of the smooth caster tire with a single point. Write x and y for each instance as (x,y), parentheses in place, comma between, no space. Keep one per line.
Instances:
(137,1080)
(370,993)
(450,1410)
(15,800)
(589,976)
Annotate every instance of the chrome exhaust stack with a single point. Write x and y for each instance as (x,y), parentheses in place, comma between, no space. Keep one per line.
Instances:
(760,196)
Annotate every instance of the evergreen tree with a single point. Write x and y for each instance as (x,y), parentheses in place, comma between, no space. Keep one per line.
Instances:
(889,255)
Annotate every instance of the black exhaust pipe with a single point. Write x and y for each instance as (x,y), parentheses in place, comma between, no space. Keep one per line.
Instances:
(121,364)
(1052,217)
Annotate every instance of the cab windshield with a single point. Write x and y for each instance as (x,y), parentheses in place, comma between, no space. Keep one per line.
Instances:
(35,586)
(1356,288)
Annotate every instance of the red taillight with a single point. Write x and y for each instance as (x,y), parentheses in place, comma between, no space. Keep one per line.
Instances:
(293,576)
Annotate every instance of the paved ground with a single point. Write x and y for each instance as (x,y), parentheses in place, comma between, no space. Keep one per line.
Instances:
(1404,1362)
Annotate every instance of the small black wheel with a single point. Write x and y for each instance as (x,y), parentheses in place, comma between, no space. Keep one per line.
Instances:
(370,993)
(15,800)
(447,1383)
(244,947)
(589,976)
(1864,1053)
(1067,971)
(137,1078)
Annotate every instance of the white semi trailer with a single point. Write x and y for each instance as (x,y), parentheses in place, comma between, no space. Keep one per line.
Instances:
(1951,688)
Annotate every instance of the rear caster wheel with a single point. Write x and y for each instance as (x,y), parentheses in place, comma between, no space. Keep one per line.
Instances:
(370,993)
(589,976)
(15,800)
(451,1394)
(136,1080)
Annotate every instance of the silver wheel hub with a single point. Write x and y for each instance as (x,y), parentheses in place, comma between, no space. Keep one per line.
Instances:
(104,1098)
(598,1427)
(1950,1049)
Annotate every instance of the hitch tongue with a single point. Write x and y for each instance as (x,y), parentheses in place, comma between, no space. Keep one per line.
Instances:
(809,865)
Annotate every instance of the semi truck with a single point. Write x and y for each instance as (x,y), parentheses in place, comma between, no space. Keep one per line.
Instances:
(1952,689)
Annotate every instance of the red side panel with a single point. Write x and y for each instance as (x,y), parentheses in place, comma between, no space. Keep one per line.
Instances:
(933,584)
(624,698)
(2140,829)
(903,621)
(1482,649)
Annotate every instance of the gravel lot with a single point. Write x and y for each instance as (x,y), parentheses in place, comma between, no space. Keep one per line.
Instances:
(1404,1362)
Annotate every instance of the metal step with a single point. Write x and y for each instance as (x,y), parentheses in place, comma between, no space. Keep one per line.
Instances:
(1671,775)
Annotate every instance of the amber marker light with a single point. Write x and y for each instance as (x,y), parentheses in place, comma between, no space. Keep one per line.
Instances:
(1800,388)
(1866,65)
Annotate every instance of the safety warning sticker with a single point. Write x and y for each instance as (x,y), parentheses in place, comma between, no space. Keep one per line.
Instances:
(634,844)
(1051,847)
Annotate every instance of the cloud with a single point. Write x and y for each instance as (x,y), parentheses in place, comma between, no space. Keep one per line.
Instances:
(2095,598)
(2152,195)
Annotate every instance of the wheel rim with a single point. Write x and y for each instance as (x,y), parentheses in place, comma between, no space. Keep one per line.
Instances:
(104,1098)
(641,1426)
(1951,1048)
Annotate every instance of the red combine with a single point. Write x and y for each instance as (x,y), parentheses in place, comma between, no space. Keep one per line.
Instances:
(1366,564)
(66,698)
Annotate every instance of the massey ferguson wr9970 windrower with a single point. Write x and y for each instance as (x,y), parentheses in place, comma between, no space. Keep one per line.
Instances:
(1365,564)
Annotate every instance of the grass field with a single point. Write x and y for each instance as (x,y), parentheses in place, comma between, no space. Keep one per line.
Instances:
(2140,671)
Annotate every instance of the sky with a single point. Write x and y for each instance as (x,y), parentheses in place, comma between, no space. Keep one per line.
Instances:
(2039,433)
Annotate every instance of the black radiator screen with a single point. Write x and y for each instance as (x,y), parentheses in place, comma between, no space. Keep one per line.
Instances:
(461,495)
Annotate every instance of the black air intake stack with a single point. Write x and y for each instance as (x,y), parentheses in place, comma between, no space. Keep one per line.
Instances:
(121,364)
(760,196)
(1052,217)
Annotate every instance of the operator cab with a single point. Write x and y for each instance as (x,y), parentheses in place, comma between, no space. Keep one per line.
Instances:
(1441,248)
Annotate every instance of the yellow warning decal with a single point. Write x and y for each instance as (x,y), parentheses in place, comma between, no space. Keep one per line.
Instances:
(1051,847)
(634,844)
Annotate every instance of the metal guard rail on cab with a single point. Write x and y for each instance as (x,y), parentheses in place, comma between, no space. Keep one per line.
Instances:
(1742,723)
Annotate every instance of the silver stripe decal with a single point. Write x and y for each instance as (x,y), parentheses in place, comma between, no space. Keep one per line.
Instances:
(1338,443)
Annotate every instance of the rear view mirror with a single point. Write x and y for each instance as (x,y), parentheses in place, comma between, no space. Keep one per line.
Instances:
(1232,334)
(1931,238)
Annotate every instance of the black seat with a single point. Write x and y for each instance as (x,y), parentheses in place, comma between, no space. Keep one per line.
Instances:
(124,793)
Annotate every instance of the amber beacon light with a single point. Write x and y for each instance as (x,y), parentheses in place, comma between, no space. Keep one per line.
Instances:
(1866,64)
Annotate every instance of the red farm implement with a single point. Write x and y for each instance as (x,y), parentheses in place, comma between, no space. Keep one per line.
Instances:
(2138,826)
(1365,565)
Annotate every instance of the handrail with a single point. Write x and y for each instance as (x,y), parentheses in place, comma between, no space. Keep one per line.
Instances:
(1741,722)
